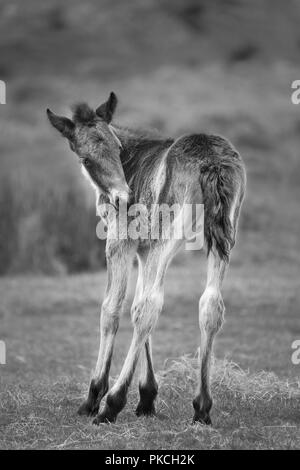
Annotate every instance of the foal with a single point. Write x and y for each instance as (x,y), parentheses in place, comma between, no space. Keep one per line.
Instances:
(127,167)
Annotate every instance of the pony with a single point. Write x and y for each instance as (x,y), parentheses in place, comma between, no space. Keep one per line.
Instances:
(127,167)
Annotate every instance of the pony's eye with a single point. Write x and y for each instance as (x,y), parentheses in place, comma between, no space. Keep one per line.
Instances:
(86,162)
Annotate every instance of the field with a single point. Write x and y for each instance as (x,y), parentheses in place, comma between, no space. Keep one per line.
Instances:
(178,67)
(51,337)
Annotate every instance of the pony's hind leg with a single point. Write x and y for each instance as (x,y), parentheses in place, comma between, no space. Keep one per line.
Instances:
(211,313)
(223,188)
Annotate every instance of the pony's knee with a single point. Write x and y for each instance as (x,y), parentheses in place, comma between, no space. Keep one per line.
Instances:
(110,313)
(146,312)
(109,322)
(211,311)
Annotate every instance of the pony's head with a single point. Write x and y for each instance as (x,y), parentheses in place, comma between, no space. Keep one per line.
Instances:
(92,138)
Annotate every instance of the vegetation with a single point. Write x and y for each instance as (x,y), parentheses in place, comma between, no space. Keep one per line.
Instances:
(199,80)
(50,329)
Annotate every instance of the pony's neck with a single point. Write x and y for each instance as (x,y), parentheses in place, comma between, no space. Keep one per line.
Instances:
(140,151)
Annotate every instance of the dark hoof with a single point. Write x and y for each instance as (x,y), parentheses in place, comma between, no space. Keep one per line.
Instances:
(202,407)
(86,409)
(202,419)
(143,410)
(104,418)
(147,397)
(114,404)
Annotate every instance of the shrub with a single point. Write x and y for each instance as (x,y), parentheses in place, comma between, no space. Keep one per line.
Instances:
(48,231)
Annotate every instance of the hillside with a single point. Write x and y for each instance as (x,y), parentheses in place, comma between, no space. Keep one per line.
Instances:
(193,66)
(103,38)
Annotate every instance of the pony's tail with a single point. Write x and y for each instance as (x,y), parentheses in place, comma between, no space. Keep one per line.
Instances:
(218,189)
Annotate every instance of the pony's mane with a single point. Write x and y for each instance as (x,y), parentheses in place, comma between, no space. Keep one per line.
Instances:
(83,114)
(139,133)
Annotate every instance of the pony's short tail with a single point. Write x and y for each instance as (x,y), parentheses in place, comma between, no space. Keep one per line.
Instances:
(217,189)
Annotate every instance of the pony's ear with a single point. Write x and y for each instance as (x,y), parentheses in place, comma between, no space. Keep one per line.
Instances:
(106,110)
(64,125)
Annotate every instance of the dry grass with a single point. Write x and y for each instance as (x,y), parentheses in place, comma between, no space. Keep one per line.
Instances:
(49,326)
(251,411)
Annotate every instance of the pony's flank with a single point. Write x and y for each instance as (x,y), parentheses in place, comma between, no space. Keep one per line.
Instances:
(218,165)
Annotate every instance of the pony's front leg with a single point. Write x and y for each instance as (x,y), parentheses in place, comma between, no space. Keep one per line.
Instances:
(144,318)
(148,387)
(119,261)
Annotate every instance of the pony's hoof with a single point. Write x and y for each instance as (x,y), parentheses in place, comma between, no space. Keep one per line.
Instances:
(143,410)
(103,418)
(86,409)
(202,419)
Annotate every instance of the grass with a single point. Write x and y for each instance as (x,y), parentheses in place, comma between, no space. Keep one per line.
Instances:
(49,325)
(251,410)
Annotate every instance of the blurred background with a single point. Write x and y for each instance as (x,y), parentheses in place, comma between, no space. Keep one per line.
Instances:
(178,66)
